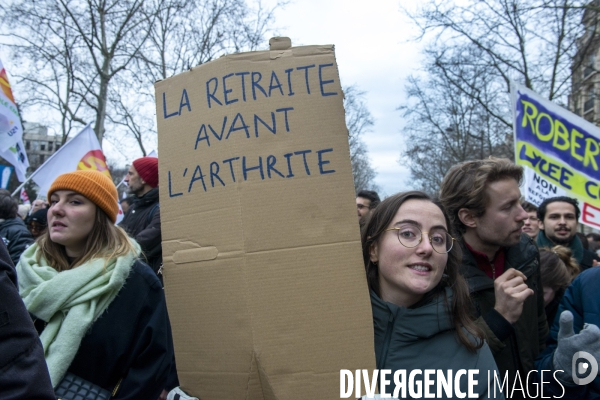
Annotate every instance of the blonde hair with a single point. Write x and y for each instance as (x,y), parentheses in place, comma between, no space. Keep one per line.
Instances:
(105,241)
(557,267)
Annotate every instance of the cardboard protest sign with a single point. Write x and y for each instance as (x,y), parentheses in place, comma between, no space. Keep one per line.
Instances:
(263,268)
(560,150)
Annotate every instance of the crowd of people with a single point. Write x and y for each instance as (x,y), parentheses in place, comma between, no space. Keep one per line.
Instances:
(473,279)
(526,280)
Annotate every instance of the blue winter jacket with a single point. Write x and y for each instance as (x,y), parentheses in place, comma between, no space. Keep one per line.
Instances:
(583,300)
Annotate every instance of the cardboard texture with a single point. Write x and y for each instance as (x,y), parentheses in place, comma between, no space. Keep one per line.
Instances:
(263,267)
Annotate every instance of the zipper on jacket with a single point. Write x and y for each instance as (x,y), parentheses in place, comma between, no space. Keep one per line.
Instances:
(386,341)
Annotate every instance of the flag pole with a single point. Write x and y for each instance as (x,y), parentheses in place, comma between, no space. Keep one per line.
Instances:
(50,158)
(18,190)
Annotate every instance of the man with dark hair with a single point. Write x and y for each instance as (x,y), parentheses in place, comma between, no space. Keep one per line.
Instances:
(13,230)
(142,220)
(500,263)
(366,201)
(531,225)
(558,225)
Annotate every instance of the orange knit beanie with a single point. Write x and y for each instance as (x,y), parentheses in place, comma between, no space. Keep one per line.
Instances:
(94,185)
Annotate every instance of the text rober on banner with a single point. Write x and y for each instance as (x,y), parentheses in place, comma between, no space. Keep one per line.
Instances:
(263,269)
(562,151)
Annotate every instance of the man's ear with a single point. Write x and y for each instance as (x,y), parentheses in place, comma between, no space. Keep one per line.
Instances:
(541,224)
(373,253)
(466,217)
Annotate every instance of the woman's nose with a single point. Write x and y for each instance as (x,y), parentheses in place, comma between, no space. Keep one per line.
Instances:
(56,208)
(425,245)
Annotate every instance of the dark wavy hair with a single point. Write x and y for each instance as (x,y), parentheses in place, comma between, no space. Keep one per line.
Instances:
(373,230)
(8,207)
(541,212)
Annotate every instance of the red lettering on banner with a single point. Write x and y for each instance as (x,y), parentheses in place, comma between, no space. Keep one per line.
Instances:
(590,214)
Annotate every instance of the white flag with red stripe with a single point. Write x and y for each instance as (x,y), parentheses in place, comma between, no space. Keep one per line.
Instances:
(83,151)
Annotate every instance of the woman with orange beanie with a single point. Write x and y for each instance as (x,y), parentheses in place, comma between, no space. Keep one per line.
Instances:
(101,312)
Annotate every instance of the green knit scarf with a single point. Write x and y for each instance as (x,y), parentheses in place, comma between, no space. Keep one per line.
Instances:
(69,301)
(576,246)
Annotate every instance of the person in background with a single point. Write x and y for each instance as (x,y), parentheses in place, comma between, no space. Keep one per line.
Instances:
(574,332)
(500,263)
(558,225)
(418,297)
(23,371)
(125,204)
(142,220)
(100,311)
(366,202)
(584,240)
(37,205)
(13,230)
(558,269)
(38,223)
(23,210)
(593,241)
(531,225)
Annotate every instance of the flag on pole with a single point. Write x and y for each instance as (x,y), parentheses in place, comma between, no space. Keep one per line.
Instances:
(120,215)
(24,197)
(83,151)
(11,131)
(18,158)
(5,173)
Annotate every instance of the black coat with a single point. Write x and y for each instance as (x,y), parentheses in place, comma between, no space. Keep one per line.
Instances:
(131,342)
(587,261)
(23,370)
(515,347)
(142,222)
(16,237)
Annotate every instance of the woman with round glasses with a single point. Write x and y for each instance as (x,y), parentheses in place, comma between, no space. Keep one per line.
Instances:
(419,299)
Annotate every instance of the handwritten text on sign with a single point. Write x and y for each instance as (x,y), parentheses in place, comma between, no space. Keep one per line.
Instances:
(248,87)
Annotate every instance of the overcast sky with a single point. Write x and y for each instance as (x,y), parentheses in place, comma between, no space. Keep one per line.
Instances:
(373,51)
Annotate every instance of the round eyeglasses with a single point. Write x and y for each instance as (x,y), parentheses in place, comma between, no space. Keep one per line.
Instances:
(410,236)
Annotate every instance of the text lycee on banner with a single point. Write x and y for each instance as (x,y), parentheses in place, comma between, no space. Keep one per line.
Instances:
(560,151)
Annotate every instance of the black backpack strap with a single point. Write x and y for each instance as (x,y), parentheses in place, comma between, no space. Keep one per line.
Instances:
(151,213)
